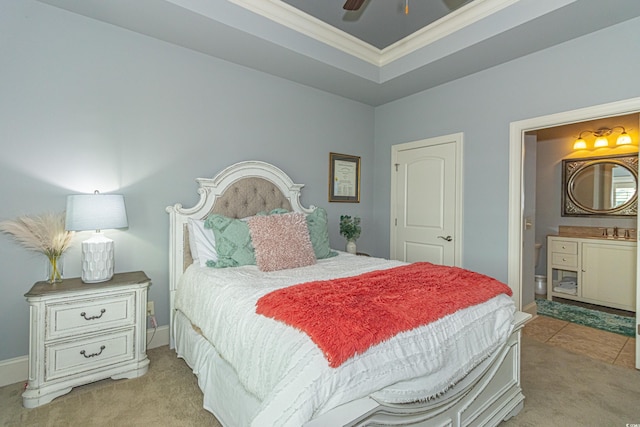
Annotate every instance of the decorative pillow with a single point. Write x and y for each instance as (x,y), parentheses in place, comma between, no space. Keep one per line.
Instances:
(281,241)
(202,242)
(275,211)
(233,242)
(318,224)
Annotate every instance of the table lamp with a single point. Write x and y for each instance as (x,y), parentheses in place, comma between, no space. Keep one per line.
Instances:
(96,212)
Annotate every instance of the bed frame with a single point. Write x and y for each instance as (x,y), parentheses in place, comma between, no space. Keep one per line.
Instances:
(486,396)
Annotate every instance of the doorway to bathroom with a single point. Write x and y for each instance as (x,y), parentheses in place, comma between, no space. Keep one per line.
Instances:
(553,155)
(522,220)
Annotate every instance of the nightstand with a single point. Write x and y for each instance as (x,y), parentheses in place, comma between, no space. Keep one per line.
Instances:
(81,333)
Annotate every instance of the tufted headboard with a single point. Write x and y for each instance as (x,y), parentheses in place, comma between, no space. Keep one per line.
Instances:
(249,196)
(243,198)
(239,191)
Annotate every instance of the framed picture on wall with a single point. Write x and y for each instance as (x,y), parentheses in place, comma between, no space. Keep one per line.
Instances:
(344,178)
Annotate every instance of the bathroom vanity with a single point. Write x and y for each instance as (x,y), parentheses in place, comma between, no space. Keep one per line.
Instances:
(593,269)
(591,264)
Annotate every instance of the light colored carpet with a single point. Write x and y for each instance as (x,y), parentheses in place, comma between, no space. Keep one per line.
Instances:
(561,389)
(167,395)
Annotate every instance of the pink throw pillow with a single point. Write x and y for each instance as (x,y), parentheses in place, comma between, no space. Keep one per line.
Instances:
(281,241)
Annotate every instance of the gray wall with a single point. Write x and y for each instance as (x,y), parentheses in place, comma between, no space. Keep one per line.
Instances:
(86,105)
(482,106)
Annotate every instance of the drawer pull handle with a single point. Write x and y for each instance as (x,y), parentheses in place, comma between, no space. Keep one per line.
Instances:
(83,352)
(83,314)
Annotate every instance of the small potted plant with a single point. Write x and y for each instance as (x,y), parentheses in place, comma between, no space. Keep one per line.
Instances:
(350,229)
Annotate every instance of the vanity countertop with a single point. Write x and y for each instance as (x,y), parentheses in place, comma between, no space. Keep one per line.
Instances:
(619,238)
(598,233)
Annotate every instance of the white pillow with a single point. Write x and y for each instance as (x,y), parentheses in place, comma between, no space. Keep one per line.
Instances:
(202,242)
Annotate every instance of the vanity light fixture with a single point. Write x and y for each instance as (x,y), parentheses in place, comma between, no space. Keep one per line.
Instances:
(623,139)
(600,142)
(96,212)
(601,135)
(580,144)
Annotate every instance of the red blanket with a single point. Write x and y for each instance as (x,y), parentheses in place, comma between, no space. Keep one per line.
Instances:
(346,316)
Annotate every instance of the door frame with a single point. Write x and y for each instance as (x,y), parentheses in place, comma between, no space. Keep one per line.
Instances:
(456,139)
(516,160)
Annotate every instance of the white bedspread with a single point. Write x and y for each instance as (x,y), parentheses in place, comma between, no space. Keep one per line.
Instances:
(284,369)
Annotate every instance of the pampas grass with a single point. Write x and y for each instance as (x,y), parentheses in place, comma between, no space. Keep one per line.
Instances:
(43,233)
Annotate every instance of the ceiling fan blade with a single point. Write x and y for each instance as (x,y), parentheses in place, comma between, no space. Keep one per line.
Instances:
(353,4)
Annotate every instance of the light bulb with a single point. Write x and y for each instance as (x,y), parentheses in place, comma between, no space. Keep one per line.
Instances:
(623,139)
(601,141)
(580,144)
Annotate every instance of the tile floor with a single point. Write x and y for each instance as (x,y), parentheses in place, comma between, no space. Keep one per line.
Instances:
(601,345)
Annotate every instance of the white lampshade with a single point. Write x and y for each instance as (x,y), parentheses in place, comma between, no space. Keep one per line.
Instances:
(96,212)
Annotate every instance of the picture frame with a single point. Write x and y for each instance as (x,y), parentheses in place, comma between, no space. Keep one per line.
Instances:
(344,178)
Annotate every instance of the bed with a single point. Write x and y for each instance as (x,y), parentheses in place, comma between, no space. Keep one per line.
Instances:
(461,369)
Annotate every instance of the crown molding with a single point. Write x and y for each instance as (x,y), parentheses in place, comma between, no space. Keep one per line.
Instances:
(449,24)
(297,20)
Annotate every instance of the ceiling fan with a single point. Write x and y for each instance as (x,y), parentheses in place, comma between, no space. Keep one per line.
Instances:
(353,5)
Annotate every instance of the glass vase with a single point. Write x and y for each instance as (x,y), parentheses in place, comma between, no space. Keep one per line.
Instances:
(54,269)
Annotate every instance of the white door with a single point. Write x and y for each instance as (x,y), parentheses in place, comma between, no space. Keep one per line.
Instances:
(425,201)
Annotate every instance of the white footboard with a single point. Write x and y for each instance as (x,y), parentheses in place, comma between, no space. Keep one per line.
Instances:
(489,394)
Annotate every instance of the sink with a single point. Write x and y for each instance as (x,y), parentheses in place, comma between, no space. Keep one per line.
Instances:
(623,234)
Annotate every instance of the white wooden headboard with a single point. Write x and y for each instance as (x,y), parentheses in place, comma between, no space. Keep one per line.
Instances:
(240,190)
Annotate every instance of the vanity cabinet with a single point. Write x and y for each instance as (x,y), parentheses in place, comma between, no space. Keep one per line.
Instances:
(596,271)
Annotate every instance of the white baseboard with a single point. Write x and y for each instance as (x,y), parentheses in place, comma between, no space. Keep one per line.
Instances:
(531,308)
(17,369)
(14,370)
(160,338)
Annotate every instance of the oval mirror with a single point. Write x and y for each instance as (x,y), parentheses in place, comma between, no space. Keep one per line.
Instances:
(601,186)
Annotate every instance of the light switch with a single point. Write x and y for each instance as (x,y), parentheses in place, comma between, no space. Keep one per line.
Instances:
(528,223)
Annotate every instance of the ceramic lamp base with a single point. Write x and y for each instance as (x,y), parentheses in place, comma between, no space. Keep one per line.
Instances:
(97,259)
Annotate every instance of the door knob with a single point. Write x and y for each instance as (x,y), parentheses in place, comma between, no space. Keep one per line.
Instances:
(448,238)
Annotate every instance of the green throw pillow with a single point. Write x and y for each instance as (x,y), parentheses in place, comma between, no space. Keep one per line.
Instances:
(233,242)
(276,211)
(318,225)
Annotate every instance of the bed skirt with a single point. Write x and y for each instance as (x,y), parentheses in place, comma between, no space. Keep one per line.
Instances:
(489,394)
(223,395)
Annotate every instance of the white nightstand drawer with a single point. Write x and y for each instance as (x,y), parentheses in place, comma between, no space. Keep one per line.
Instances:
(71,358)
(565,260)
(564,247)
(87,315)
(80,333)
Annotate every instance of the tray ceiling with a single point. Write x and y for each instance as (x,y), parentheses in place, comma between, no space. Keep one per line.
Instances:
(275,37)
